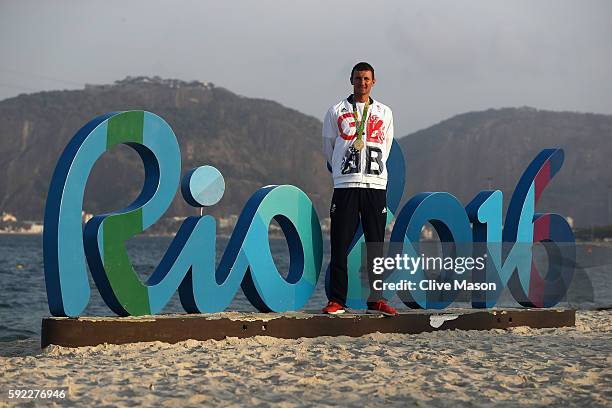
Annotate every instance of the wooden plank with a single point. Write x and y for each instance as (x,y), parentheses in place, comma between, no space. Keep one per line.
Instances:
(90,331)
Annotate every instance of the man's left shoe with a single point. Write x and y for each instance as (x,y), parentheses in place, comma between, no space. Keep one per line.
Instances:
(381,307)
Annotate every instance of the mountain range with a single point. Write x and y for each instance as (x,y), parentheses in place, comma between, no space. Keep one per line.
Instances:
(256,142)
(491,149)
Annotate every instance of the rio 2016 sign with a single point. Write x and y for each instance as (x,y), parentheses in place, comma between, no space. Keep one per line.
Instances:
(189,263)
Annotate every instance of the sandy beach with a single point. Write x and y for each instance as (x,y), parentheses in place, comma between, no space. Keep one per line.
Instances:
(516,367)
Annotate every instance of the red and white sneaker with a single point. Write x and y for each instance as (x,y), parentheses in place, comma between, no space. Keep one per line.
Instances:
(333,308)
(381,307)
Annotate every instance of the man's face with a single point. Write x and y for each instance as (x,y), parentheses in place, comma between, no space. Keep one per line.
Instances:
(362,82)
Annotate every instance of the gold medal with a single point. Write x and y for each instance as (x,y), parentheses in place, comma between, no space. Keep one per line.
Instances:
(358,144)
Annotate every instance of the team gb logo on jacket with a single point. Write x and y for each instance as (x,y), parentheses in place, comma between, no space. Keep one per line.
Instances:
(376,129)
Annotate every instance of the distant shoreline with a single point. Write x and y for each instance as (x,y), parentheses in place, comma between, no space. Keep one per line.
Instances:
(224,236)
(19,233)
(274,236)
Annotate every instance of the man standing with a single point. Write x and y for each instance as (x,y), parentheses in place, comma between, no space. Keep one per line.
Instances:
(357,138)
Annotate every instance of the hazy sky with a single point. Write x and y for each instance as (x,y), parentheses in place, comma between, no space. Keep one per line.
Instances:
(433,59)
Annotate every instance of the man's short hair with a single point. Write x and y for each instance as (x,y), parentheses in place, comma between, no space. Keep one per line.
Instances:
(362,66)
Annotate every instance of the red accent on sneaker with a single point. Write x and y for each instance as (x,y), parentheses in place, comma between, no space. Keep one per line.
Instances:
(384,308)
(333,308)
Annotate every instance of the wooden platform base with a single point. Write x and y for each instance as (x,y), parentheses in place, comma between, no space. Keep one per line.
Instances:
(90,331)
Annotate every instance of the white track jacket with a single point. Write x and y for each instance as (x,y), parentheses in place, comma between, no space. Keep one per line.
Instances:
(364,168)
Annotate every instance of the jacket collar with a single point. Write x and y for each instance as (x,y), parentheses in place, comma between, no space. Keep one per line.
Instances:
(351,98)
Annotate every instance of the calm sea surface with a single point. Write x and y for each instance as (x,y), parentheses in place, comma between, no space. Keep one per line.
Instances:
(23,298)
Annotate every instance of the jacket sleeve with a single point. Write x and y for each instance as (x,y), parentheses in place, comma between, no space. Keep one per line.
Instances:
(389,133)
(329,136)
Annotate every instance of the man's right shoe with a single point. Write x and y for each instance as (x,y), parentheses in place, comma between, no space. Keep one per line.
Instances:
(333,308)
(383,308)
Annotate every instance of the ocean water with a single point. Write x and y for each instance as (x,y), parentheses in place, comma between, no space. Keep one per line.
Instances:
(23,299)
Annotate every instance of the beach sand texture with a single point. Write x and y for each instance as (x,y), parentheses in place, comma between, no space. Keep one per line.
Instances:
(515,367)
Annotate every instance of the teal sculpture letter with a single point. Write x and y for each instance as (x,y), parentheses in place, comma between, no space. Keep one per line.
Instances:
(189,263)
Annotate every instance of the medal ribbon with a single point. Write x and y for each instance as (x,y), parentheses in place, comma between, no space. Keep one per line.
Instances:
(360,126)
